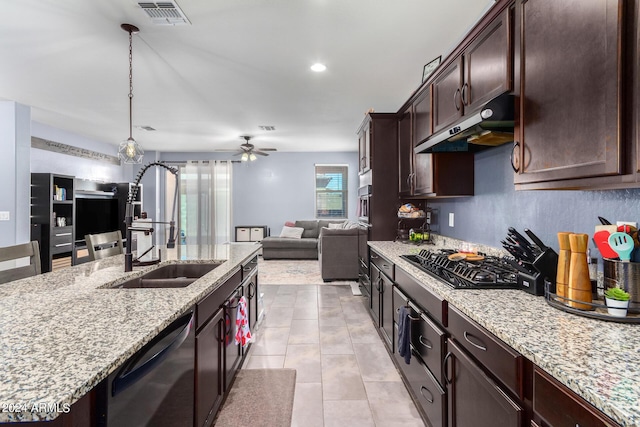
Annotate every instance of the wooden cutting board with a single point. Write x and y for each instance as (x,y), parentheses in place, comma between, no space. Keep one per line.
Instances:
(459,256)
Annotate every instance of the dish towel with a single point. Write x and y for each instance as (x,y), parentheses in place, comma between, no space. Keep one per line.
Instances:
(404,334)
(243,334)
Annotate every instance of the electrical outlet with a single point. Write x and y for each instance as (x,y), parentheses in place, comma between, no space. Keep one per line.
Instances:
(4,216)
(451,219)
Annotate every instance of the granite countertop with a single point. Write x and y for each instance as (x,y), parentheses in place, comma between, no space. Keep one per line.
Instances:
(598,360)
(61,333)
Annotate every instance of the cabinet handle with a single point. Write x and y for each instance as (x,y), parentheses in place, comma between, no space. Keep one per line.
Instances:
(246,269)
(62,234)
(478,346)
(463,96)
(252,287)
(426,343)
(385,266)
(59,245)
(455,100)
(515,159)
(444,367)
(430,397)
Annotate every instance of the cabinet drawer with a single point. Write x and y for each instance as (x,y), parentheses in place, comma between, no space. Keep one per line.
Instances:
(250,268)
(212,302)
(428,393)
(559,406)
(427,338)
(387,267)
(433,304)
(62,237)
(500,359)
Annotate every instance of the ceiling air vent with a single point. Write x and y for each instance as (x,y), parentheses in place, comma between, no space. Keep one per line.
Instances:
(164,13)
(269,128)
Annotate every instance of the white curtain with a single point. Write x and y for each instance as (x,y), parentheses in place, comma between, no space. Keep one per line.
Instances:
(204,205)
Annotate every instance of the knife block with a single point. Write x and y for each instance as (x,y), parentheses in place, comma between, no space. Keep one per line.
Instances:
(545,265)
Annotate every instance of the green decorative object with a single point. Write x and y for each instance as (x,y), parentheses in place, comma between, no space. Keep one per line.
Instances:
(617,294)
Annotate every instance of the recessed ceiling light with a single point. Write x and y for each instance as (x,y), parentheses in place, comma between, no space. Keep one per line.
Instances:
(318,67)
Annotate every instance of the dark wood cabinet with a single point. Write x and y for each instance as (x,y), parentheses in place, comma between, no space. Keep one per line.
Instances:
(558,406)
(250,290)
(364,148)
(405,153)
(428,175)
(570,70)
(382,275)
(209,389)
(474,399)
(386,310)
(232,351)
(376,285)
(481,72)
(379,195)
(53,211)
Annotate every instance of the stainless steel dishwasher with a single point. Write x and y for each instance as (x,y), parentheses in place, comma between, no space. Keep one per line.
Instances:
(155,387)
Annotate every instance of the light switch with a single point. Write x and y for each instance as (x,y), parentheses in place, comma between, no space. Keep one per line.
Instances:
(4,216)
(451,219)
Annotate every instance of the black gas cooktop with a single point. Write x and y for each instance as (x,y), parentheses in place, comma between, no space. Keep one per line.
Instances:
(488,273)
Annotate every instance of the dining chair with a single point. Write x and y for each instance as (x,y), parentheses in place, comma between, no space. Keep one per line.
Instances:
(12,253)
(104,244)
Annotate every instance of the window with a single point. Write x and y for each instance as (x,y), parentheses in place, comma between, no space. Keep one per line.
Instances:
(331,191)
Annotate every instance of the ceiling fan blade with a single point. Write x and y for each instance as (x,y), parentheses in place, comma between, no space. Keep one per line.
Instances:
(226,149)
(268,149)
(260,153)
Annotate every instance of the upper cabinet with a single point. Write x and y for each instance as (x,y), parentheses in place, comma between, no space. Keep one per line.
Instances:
(427,175)
(364,148)
(571,84)
(481,72)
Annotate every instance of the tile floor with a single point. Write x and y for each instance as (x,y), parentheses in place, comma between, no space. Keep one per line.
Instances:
(344,373)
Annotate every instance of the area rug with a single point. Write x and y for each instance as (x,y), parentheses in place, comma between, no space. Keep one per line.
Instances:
(259,398)
(293,272)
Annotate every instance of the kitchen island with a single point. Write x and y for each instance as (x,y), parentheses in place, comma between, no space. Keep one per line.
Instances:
(598,360)
(62,333)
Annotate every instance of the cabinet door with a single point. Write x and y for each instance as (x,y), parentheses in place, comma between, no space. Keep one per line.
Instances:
(475,400)
(423,174)
(570,89)
(209,370)
(250,291)
(232,351)
(386,310)
(422,117)
(405,153)
(447,96)
(364,148)
(376,285)
(487,65)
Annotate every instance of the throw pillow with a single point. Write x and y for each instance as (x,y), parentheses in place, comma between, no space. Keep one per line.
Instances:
(350,224)
(290,224)
(333,225)
(291,232)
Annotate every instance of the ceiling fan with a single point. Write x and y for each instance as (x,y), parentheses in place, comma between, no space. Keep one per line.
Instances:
(248,151)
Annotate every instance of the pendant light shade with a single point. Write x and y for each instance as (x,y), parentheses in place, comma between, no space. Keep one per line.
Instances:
(129,150)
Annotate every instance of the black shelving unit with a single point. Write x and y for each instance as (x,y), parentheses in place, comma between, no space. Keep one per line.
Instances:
(53,198)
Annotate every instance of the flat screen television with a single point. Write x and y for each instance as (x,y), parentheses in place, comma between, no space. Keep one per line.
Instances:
(96,216)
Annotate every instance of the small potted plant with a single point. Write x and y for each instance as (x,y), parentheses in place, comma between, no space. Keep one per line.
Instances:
(617,302)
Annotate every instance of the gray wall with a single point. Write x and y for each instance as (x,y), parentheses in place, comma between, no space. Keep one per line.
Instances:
(280,187)
(485,217)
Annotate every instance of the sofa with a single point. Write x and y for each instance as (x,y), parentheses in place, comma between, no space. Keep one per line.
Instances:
(306,247)
(338,254)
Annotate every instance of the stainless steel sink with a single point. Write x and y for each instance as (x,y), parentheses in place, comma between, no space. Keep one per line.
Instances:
(169,276)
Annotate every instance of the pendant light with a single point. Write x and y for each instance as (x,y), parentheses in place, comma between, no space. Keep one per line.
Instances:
(129,150)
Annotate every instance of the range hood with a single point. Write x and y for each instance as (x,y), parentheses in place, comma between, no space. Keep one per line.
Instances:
(492,125)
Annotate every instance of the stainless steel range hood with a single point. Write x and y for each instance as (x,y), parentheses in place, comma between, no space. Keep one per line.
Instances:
(492,125)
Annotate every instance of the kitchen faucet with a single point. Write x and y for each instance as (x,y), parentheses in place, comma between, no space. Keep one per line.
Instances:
(128,216)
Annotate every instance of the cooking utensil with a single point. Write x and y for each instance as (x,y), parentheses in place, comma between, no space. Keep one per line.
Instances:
(604,221)
(519,238)
(622,244)
(535,239)
(601,239)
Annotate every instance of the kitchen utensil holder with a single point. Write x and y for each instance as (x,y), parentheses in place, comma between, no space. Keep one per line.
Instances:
(545,266)
(623,275)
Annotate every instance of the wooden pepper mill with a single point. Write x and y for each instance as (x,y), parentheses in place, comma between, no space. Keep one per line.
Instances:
(564,263)
(579,283)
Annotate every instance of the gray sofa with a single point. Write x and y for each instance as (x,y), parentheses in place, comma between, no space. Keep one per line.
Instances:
(274,247)
(338,254)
